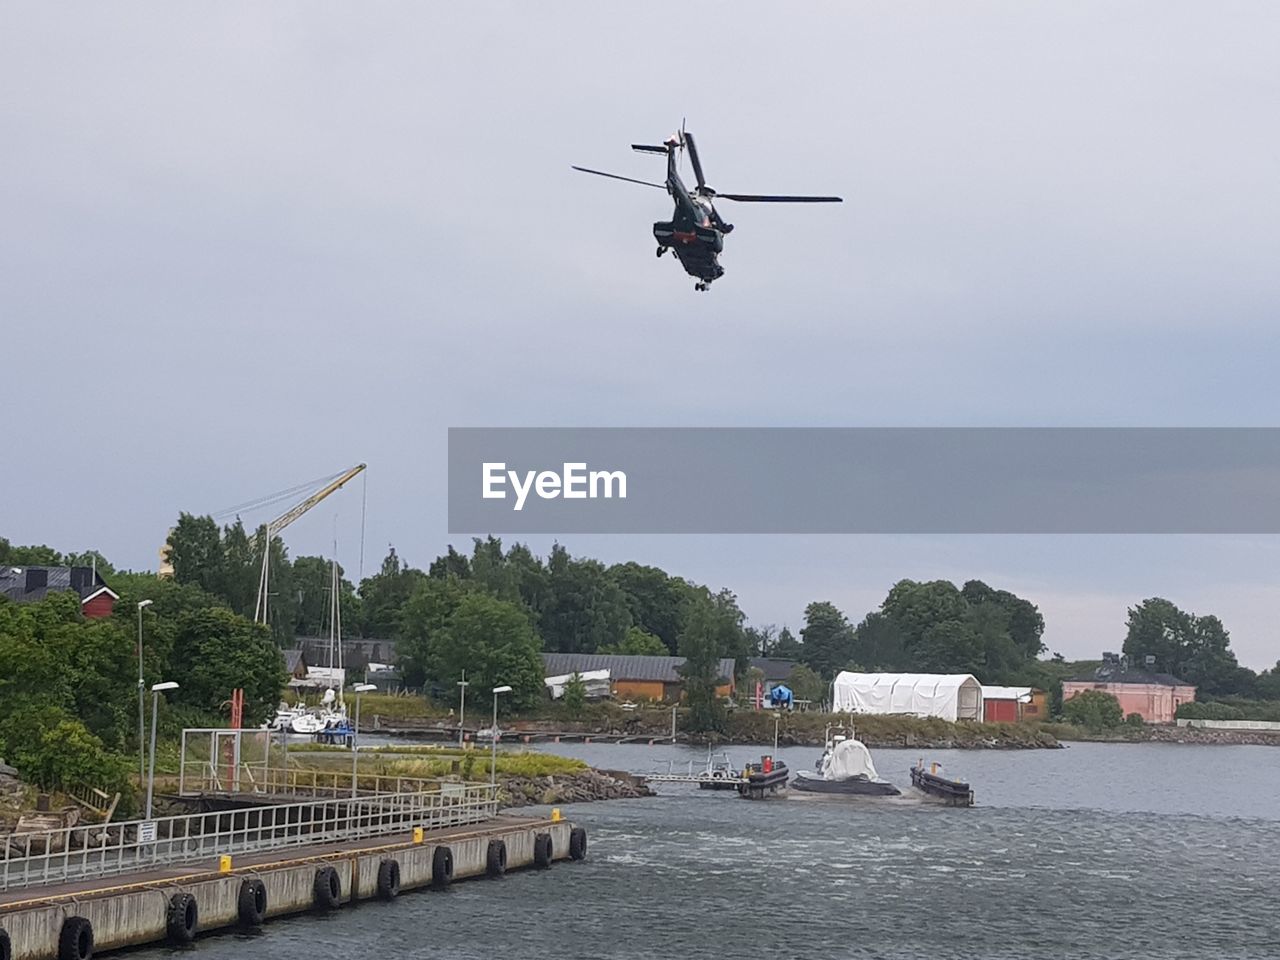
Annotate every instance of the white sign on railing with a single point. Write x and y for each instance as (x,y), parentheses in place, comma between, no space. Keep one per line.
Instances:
(147,831)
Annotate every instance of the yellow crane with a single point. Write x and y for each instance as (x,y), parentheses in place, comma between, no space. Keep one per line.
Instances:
(279,523)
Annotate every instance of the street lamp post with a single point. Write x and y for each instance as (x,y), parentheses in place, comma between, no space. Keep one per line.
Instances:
(142,700)
(358,689)
(493,736)
(462,708)
(156,689)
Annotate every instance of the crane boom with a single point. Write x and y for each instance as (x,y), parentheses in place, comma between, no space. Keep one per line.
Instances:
(282,521)
(294,512)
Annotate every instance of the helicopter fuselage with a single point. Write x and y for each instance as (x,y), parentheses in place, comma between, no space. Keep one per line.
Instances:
(695,233)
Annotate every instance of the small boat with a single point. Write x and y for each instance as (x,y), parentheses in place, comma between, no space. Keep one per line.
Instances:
(845,770)
(307,723)
(956,793)
(719,774)
(763,779)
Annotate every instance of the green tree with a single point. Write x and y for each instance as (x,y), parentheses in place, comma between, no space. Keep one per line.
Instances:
(35,556)
(219,651)
(879,645)
(700,645)
(384,594)
(827,639)
(424,619)
(240,570)
(585,609)
(1196,649)
(655,600)
(312,579)
(493,641)
(1268,683)
(638,643)
(575,696)
(70,756)
(1023,621)
(806,684)
(787,647)
(195,552)
(1095,710)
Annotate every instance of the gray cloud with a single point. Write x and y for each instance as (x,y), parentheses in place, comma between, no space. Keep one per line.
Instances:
(247,244)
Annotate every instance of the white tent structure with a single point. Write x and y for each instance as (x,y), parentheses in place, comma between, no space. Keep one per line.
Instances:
(951,696)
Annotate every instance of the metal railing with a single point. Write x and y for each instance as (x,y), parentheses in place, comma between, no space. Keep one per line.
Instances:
(73,853)
(203,778)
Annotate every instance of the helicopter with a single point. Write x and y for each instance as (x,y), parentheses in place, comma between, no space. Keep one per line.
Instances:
(695,233)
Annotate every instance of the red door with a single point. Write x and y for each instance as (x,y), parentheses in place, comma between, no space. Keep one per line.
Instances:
(1000,711)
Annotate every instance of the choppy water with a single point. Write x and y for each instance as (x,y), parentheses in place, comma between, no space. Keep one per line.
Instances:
(1127,852)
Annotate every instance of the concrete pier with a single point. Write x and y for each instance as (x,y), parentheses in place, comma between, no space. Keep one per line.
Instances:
(44,923)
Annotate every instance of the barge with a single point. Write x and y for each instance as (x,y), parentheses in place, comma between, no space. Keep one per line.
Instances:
(955,793)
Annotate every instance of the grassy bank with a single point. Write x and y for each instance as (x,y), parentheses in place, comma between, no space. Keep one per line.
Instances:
(432,761)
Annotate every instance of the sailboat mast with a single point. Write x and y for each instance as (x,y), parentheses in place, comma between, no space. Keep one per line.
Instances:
(337,630)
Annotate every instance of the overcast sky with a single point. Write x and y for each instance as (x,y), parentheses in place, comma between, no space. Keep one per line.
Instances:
(243,245)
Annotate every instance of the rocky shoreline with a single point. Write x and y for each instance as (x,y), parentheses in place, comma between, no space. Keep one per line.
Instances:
(582,787)
(1186,735)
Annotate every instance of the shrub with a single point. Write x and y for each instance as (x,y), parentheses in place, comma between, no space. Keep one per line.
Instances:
(1093,709)
(575,696)
(1135,720)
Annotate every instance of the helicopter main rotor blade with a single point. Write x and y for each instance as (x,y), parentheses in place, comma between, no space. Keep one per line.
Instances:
(614,176)
(693,159)
(766,198)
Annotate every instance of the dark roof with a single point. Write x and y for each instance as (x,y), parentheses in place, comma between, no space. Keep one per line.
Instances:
(27,584)
(356,653)
(1115,673)
(664,669)
(773,668)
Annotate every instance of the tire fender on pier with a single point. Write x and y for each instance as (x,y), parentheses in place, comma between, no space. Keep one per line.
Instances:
(542,851)
(76,940)
(181,918)
(389,879)
(327,889)
(251,905)
(495,860)
(6,946)
(578,843)
(442,867)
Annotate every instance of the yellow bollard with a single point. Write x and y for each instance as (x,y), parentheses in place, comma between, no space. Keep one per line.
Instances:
(224,863)
(417,835)
(555,814)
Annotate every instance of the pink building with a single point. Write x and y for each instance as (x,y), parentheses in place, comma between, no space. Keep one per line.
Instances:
(1155,696)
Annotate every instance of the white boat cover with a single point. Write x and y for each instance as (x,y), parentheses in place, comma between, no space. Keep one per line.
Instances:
(951,696)
(596,682)
(849,758)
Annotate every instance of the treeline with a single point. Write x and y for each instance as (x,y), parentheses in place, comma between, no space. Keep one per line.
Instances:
(68,685)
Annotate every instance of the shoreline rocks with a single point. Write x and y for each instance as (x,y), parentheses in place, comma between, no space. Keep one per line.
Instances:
(584,786)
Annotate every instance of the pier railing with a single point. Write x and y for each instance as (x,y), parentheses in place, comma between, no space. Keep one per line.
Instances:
(73,853)
(201,778)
